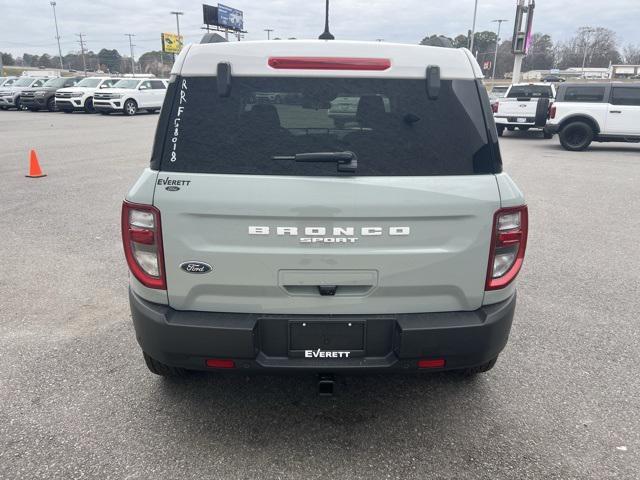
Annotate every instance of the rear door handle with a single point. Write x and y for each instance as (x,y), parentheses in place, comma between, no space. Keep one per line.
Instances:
(615,111)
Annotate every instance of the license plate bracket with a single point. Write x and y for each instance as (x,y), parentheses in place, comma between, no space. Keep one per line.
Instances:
(327,336)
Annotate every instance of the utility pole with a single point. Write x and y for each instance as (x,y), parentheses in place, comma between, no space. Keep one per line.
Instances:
(268,30)
(131,45)
(81,42)
(55,19)
(495,58)
(473,28)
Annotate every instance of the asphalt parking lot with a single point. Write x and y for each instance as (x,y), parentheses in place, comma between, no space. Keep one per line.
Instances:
(78,402)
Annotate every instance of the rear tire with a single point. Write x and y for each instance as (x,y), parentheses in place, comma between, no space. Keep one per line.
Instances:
(500,131)
(130,107)
(576,136)
(511,129)
(18,105)
(159,368)
(485,367)
(547,136)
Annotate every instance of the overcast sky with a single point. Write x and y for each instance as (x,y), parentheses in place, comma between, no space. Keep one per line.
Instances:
(27,25)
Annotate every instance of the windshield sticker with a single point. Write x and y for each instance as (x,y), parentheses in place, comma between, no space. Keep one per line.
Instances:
(178,119)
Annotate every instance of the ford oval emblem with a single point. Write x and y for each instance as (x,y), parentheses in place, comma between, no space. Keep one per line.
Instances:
(196,267)
(172,188)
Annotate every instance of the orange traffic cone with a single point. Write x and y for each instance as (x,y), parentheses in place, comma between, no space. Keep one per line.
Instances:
(34,166)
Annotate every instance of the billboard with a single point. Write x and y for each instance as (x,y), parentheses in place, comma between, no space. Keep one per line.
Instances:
(230,18)
(171,43)
(209,15)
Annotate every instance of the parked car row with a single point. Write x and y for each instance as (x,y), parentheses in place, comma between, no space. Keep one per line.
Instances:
(89,94)
(578,113)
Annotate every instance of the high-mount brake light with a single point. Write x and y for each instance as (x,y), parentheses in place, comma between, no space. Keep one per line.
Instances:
(508,246)
(329,63)
(142,240)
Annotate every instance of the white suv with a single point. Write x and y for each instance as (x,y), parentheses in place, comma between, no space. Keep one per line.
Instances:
(80,96)
(595,112)
(130,95)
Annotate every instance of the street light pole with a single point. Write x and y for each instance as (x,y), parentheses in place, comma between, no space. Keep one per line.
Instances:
(177,14)
(55,19)
(473,28)
(495,58)
(587,36)
(268,30)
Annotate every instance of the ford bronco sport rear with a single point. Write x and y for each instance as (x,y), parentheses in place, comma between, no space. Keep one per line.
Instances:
(266,236)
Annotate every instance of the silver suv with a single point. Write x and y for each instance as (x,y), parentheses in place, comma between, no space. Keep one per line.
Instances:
(268,236)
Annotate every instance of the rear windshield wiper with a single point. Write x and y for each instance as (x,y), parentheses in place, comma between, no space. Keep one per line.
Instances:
(347,161)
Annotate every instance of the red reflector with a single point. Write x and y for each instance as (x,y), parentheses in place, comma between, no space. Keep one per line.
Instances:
(220,363)
(329,63)
(433,363)
(141,236)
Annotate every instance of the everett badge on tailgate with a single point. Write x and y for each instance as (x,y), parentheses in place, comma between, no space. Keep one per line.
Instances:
(196,267)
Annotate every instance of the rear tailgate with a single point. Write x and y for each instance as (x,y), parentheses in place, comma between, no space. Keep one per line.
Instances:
(425,245)
(517,108)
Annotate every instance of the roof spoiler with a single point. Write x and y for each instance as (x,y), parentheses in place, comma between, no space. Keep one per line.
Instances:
(212,38)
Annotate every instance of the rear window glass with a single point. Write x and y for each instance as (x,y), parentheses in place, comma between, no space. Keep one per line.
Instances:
(390,125)
(530,91)
(584,94)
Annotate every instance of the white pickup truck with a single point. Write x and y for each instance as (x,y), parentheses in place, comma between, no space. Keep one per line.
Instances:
(518,107)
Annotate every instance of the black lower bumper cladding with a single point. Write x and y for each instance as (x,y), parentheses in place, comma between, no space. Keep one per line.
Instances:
(273,343)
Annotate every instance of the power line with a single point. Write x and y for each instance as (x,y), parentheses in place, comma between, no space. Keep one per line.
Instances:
(81,42)
(131,45)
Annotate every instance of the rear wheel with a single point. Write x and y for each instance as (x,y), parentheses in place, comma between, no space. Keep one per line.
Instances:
(130,107)
(88,106)
(577,136)
(547,136)
(18,105)
(163,370)
(51,105)
(511,129)
(500,130)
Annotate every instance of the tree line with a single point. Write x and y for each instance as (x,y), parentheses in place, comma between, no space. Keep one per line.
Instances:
(600,44)
(107,61)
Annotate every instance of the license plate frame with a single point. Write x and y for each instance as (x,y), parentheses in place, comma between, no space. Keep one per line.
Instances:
(327,336)
(521,120)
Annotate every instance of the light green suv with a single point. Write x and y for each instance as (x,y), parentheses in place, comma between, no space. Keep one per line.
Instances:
(266,236)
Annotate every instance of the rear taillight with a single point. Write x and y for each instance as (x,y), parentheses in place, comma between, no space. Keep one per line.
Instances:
(508,244)
(142,240)
(495,106)
(552,111)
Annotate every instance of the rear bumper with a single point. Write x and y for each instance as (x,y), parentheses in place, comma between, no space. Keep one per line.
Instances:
(261,342)
(513,121)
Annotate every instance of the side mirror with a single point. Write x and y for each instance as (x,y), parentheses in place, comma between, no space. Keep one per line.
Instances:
(542,112)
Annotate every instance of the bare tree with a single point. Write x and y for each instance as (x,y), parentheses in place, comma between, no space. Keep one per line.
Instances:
(632,54)
(599,44)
